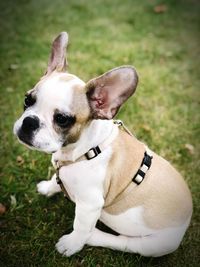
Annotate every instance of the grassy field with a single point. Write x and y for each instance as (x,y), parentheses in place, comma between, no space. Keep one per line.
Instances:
(164,112)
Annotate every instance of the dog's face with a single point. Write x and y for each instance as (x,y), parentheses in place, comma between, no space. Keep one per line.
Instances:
(54,114)
(60,105)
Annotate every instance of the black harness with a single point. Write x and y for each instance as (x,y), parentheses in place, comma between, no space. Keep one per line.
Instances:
(140,174)
(95,151)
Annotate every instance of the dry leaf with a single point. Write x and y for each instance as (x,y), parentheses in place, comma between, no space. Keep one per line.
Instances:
(190,148)
(146,128)
(13,201)
(160,9)
(13,67)
(2,209)
(33,162)
(20,160)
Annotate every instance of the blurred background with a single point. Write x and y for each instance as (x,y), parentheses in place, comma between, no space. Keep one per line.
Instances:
(161,39)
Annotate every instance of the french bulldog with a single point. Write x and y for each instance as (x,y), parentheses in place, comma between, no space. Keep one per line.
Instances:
(109,174)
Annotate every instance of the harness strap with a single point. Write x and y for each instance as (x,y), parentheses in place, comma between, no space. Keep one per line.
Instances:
(95,151)
(145,166)
(59,181)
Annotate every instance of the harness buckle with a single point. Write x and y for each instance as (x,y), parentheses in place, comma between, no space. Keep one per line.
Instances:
(93,152)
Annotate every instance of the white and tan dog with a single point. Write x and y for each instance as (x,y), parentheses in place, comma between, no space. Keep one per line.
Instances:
(110,175)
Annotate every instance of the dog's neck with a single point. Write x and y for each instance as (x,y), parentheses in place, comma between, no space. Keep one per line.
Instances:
(96,132)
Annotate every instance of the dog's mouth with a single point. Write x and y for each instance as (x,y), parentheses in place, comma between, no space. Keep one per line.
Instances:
(29,142)
(43,140)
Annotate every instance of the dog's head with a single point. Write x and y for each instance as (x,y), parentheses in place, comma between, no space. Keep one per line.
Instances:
(60,105)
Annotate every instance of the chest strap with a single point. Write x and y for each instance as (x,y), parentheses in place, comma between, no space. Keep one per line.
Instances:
(145,166)
(59,181)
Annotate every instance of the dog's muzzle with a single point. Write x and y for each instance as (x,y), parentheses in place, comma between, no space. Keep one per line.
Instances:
(29,126)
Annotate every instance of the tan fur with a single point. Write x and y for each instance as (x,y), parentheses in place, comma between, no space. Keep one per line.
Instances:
(81,109)
(163,194)
(119,175)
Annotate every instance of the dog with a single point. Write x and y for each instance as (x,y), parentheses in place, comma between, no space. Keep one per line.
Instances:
(109,174)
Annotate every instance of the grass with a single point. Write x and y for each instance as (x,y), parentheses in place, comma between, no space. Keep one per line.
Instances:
(164,112)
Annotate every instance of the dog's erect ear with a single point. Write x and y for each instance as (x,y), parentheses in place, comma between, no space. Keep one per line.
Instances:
(57,60)
(109,91)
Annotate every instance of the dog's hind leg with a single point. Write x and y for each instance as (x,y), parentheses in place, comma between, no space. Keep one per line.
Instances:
(48,188)
(154,245)
(102,239)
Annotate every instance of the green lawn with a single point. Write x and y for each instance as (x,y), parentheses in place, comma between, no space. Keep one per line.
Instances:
(164,112)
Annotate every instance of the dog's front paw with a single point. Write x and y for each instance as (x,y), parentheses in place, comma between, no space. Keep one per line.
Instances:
(70,244)
(44,188)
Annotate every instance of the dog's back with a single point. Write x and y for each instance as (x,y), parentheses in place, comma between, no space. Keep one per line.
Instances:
(163,194)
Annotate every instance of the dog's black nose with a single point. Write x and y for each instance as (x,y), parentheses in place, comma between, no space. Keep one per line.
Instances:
(30,124)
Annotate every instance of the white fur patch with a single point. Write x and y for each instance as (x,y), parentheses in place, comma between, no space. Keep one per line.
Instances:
(140,238)
(129,223)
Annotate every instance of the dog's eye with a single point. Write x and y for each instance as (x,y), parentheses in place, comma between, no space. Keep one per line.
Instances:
(28,101)
(64,120)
